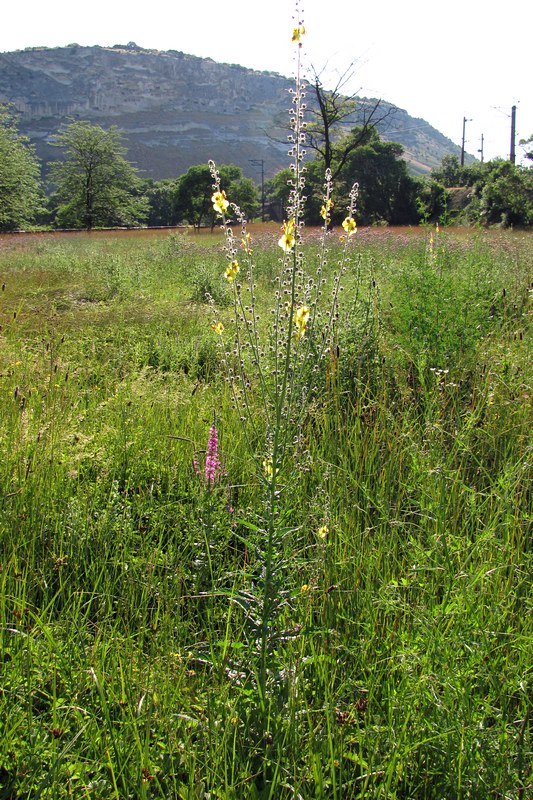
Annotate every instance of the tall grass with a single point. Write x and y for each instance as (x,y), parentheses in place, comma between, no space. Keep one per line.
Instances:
(406,640)
(256,542)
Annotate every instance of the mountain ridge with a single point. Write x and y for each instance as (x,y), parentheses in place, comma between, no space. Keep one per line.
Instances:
(176,109)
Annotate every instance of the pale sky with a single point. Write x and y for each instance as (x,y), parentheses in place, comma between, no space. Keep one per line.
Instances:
(462,58)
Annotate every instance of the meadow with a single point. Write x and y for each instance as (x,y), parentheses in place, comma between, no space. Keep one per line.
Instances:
(401,665)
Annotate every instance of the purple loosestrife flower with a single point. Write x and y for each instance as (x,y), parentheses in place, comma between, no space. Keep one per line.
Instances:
(212,467)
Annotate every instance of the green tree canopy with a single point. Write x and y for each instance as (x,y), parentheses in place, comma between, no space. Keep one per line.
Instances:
(161,197)
(277,191)
(506,194)
(195,189)
(96,186)
(387,192)
(451,174)
(20,190)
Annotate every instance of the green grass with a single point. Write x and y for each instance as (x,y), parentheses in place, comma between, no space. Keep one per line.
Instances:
(127,589)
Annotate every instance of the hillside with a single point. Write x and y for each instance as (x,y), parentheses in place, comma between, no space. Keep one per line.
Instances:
(175,109)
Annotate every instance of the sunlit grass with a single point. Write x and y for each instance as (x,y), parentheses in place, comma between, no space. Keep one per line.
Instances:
(408,638)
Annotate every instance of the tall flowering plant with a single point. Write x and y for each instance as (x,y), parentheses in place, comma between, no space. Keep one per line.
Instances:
(212,466)
(279,369)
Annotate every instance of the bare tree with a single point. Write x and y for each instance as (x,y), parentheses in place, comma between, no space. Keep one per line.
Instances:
(333,112)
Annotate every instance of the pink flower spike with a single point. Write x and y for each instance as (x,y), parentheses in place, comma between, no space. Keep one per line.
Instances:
(212,460)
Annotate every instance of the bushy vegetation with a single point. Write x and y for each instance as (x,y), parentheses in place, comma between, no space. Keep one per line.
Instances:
(20,191)
(128,580)
(496,193)
(95,186)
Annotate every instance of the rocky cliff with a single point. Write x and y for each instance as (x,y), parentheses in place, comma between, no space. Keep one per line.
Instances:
(175,109)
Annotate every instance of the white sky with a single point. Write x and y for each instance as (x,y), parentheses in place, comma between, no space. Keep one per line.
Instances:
(440,62)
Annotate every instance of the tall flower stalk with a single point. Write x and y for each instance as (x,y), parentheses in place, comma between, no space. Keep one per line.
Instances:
(277,368)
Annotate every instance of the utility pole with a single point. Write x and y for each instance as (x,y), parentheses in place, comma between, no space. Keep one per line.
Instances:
(260,162)
(465,120)
(481,148)
(512,156)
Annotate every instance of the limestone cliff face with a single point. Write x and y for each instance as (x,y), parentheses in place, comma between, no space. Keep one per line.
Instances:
(175,109)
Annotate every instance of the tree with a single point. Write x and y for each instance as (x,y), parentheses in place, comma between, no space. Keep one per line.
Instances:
(96,186)
(161,196)
(528,143)
(506,196)
(332,112)
(195,189)
(450,173)
(432,199)
(387,193)
(20,189)
(278,190)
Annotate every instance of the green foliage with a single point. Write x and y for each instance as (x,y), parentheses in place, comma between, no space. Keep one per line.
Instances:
(96,186)
(277,191)
(161,197)
(527,145)
(195,189)
(432,201)
(450,173)
(20,189)
(506,196)
(387,193)
(500,193)
(127,587)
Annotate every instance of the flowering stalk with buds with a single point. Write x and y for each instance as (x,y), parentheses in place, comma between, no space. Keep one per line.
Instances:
(280,372)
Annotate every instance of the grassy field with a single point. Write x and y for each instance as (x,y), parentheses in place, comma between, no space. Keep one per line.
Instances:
(401,665)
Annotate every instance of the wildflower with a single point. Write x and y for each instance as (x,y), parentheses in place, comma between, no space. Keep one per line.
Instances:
(322,532)
(212,466)
(267,468)
(324,211)
(350,226)
(220,203)
(288,239)
(297,34)
(305,588)
(246,242)
(300,319)
(218,328)
(232,270)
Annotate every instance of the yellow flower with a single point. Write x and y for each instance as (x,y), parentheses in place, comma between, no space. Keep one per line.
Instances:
(297,34)
(232,270)
(326,208)
(220,202)
(267,467)
(305,588)
(300,319)
(288,240)
(323,532)
(218,328)
(350,226)
(246,242)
